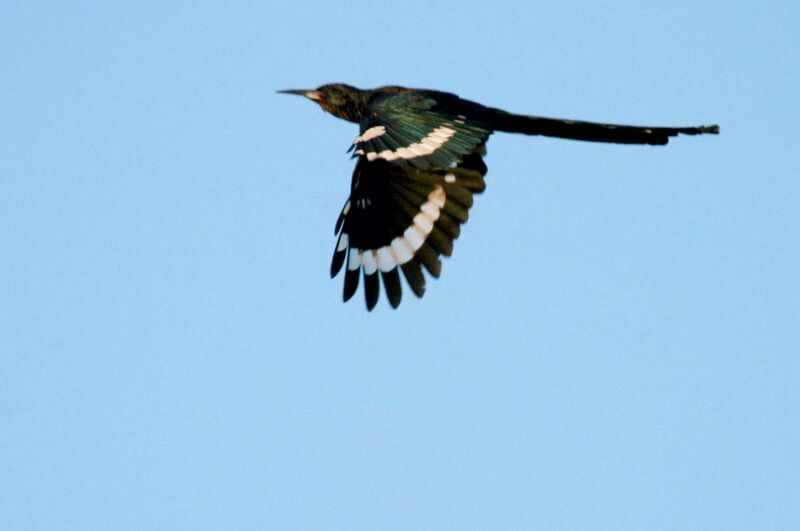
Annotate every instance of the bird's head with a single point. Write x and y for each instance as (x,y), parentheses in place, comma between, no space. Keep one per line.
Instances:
(341,100)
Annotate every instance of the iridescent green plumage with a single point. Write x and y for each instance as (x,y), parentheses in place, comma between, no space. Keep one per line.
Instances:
(419,163)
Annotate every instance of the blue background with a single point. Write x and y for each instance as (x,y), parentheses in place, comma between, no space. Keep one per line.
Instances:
(614,344)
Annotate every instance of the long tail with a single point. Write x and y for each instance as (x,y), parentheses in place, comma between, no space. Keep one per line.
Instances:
(591,131)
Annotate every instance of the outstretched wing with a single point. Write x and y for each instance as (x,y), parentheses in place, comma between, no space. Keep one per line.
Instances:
(402,217)
(419,163)
(422,129)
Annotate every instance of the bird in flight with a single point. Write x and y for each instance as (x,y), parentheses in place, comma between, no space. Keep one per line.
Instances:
(419,162)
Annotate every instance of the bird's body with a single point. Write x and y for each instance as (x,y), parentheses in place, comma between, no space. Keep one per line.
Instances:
(420,160)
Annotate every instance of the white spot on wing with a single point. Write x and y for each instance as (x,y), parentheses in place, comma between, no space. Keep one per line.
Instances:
(422,226)
(423,148)
(437,197)
(370,263)
(431,210)
(449,178)
(386,154)
(402,250)
(343,240)
(354,259)
(428,141)
(427,146)
(369,134)
(415,237)
(424,222)
(386,259)
(406,153)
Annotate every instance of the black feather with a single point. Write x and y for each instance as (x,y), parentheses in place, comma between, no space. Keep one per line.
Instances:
(440,241)
(351,282)
(414,277)
(338,259)
(430,259)
(371,290)
(449,225)
(391,284)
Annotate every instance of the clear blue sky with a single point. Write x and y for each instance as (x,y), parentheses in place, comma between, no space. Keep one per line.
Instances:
(613,345)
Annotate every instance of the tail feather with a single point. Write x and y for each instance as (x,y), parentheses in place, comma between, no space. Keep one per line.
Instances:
(591,131)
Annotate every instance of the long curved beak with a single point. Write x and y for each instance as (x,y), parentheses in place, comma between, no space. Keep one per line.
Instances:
(310,94)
